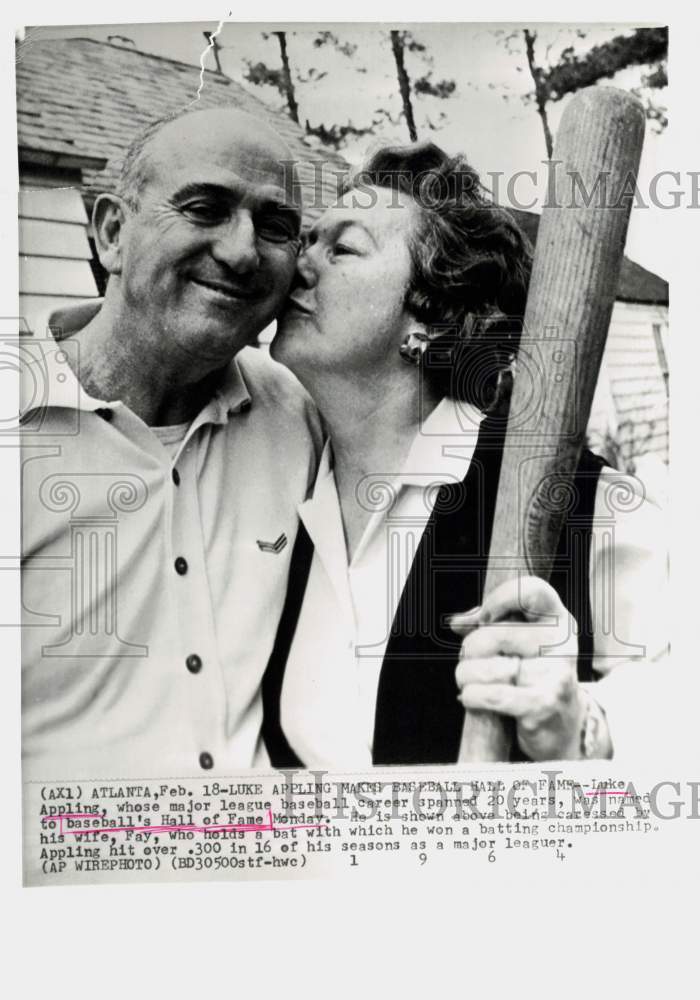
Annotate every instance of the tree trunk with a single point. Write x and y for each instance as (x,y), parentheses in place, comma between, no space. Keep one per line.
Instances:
(541,93)
(404,83)
(287,77)
(214,45)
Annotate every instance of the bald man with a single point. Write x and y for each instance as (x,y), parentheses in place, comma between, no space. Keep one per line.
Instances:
(159,502)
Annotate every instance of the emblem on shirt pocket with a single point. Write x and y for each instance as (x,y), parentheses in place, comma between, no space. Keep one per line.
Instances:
(275,546)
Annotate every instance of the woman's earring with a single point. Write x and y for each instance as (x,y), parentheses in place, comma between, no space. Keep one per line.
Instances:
(413,347)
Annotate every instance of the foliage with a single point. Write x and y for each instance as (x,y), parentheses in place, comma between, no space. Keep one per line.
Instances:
(289,80)
(337,135)
(572,71)
(328,38)
(442,88)
(260,74)
(645,46)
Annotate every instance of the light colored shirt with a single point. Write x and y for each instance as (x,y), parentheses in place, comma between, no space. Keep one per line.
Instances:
(171,437)
(154,573)
(330,685)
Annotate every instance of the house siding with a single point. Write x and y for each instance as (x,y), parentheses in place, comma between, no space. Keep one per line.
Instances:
(54,252)
(630,412)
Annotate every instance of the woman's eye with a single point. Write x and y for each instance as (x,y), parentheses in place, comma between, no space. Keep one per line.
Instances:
(341,249)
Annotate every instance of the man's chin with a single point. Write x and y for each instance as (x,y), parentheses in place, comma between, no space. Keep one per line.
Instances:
(215,342)
(282,350)
(288,331)
(277,348)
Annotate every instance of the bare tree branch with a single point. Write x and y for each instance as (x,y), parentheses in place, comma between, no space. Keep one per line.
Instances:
(541,93)
(397,47)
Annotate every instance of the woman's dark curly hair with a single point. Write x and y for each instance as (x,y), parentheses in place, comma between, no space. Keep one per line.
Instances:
(471,267)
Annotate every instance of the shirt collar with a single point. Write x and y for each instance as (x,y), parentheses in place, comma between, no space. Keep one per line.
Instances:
(441,451)
(46,378)
(232,396)
(443,447)
(323,520)
(315,509)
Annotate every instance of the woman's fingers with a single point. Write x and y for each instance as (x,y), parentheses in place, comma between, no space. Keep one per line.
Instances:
(525,639)
(542,695)
(504,670)
(508,699)
(526,597)
(495,670)
(518,658)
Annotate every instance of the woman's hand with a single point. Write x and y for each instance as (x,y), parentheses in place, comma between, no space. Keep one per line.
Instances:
(518,658)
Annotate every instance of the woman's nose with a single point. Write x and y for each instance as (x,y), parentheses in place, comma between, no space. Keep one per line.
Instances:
(305,267)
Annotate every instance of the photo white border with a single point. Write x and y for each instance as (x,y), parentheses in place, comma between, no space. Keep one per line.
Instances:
(289,938)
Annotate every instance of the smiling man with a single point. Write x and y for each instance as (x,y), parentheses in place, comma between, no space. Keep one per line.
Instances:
(162,471)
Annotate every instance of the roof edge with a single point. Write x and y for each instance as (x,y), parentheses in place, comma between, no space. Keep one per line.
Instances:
(37,156)
(128,48)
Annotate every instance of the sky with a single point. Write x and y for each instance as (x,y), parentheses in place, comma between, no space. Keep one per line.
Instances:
(485,118)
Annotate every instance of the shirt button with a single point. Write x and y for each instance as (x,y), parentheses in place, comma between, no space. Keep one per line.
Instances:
(194,663)
(176,477)
(206,761)
(181,565)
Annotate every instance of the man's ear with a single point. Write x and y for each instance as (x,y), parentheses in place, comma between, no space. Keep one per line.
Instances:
(108,220)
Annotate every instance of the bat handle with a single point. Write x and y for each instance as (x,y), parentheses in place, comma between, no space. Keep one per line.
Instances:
(487,736)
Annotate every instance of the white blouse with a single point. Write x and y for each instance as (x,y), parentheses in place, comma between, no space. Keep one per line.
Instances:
(330,684)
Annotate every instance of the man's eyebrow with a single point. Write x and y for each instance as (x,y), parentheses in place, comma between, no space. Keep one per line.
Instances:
(266,201)
(199,188)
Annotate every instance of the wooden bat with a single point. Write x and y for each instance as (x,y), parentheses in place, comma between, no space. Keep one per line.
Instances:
(570,300)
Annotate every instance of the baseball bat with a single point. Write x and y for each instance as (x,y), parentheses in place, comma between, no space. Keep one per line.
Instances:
(580,242)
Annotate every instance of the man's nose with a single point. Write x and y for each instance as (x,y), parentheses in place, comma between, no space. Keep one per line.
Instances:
(236,244)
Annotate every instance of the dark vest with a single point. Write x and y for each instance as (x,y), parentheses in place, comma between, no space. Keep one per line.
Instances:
(418,719)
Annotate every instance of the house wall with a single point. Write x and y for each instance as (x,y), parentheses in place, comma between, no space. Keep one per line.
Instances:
(54,252)
(630,410)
